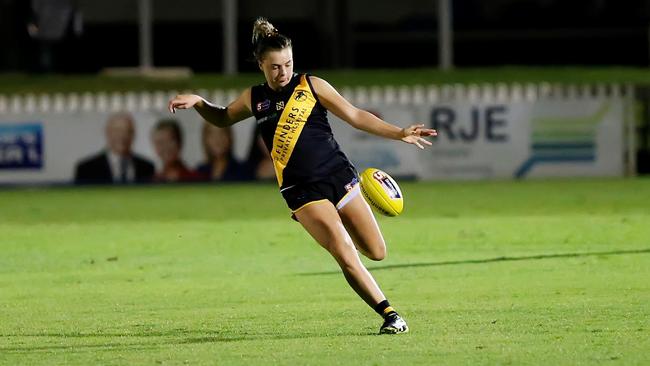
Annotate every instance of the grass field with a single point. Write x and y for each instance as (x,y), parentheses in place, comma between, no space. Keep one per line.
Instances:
(540,272)
(13,83)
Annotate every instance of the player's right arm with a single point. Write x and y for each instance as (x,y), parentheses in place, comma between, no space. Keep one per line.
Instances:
(218,115)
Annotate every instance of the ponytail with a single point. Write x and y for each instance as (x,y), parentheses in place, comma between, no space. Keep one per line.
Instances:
(266,37)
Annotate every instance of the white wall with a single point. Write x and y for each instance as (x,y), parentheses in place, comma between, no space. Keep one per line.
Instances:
(485,132)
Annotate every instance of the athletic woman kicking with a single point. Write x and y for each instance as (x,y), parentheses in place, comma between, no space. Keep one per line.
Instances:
(316,179)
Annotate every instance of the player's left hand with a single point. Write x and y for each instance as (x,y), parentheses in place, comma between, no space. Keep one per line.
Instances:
(415,134)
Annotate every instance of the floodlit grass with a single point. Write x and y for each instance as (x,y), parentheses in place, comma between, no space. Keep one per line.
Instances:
(542,272)
(25,83)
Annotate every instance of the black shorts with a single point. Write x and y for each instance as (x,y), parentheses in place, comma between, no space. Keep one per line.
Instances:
(338,188)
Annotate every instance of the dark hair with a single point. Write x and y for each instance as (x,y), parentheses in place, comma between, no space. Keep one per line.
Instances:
(266,37)
(173,126)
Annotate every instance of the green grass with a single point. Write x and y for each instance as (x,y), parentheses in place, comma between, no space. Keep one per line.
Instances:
(25,83)
(540,272)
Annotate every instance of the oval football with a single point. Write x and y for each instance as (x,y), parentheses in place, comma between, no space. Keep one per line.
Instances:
(375,198)
(382,192)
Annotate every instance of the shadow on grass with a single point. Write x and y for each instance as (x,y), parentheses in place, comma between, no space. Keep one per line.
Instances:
(492,260)
(181,338)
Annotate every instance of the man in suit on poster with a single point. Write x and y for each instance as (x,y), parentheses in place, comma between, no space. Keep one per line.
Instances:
(117,163)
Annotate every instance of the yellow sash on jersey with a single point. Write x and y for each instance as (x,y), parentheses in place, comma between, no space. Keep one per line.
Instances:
(290,126)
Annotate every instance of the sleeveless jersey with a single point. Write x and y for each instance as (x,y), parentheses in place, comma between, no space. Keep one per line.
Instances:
(313,154)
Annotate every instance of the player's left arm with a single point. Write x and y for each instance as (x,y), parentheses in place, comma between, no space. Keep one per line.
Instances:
(366,121)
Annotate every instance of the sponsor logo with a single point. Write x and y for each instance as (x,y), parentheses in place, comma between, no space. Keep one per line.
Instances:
(279,105)
(21,146)
(262,106)
(561,139)
(387,184)
(266,118)
(349,186)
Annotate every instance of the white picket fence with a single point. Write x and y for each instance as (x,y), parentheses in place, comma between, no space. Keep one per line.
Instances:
(373,95)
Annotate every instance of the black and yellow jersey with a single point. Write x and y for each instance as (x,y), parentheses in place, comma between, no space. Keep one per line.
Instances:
(295,129)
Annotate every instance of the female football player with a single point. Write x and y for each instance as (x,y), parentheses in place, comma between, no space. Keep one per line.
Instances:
(316,179)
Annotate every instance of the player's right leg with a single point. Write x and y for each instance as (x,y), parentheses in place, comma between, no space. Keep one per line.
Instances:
(359,221)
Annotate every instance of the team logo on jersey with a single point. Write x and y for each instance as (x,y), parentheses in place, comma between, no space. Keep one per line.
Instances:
(279,105)
(301,96)
(262,106)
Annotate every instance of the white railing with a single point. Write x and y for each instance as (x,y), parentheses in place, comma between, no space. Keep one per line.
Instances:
(373,95)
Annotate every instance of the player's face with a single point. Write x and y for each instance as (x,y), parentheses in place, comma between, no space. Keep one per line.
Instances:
(277,66)
(119,136)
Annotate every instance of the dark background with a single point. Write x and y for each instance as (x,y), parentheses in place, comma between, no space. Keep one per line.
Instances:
(344,34)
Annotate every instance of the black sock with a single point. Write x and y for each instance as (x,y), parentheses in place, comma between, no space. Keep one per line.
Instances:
(384,309)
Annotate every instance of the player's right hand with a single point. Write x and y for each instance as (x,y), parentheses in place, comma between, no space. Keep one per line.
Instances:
(183,101)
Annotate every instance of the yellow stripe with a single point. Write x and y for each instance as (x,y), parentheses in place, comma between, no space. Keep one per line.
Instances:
(388,310)
(290,126)
(307,204)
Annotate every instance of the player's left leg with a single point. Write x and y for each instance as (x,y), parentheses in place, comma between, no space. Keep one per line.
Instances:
(323,223)
(360,223)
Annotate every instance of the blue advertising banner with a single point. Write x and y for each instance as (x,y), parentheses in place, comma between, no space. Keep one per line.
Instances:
(21,146)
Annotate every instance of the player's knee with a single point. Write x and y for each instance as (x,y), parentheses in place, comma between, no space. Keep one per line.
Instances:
(377,254)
